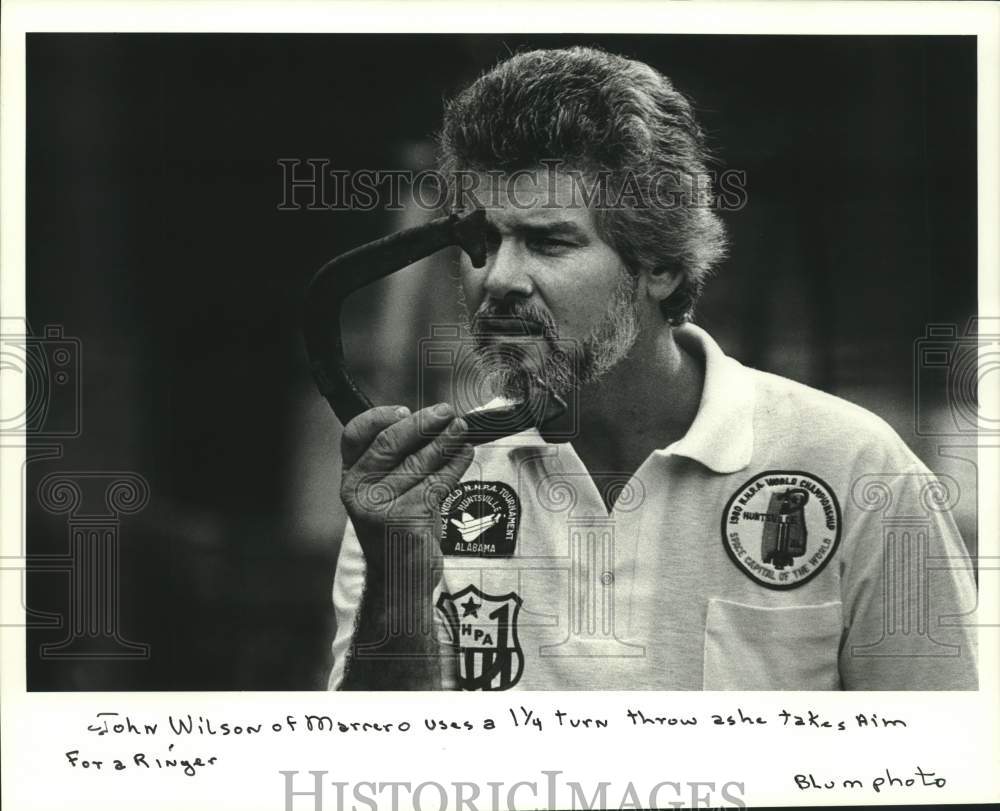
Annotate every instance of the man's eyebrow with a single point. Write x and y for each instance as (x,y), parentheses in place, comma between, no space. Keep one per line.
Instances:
(567,228)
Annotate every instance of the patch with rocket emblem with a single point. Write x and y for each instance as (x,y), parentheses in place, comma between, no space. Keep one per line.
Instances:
(480,519)
(781,528)
(482,628)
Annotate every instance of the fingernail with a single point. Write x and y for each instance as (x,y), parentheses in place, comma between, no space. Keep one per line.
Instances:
(442,410)
(459,426)
(402,412)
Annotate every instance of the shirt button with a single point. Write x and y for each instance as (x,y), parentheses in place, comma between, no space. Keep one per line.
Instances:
(607,578)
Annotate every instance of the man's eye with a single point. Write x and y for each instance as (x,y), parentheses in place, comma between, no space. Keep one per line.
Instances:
(549,245)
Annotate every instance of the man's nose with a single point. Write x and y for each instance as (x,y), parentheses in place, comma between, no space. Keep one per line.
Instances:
(507,273)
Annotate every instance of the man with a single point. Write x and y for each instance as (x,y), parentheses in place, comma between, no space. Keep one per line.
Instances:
(706,526)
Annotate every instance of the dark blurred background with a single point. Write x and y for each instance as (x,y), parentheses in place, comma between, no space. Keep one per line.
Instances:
(154,237)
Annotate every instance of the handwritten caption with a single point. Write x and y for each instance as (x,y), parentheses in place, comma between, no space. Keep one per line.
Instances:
(182,743)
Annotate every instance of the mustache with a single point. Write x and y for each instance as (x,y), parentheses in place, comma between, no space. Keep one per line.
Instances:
(512,318)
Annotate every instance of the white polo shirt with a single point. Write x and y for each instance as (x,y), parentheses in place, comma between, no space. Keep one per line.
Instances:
(788,541)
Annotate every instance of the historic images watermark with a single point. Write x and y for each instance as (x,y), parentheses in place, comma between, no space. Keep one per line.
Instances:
(314,184)
(48,365)
(955,365)
(549,789)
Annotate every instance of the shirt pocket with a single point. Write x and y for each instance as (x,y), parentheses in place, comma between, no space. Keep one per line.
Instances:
(755,648)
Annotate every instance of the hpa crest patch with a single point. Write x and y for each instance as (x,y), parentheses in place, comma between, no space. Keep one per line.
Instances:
(781,528)
(483,629)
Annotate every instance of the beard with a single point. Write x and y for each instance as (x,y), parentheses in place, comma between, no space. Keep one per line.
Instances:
(517,368)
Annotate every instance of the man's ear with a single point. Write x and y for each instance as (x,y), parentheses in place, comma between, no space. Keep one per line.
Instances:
(661,281)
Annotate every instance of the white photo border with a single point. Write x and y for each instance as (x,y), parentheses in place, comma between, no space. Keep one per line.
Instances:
(953,734)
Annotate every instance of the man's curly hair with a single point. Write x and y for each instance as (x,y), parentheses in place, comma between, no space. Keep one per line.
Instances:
(599,114)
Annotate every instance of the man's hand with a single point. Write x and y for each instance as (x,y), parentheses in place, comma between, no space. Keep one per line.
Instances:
(400,466)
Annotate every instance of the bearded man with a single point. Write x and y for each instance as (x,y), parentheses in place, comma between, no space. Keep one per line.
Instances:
(706,525)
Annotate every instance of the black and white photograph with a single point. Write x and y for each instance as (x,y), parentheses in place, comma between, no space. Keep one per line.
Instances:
(772,265)
(508,363)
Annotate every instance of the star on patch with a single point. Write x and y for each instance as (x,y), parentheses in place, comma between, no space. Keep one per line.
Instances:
(470,606)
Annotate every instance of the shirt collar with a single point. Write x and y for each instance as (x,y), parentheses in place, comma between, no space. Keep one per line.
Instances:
(721,436)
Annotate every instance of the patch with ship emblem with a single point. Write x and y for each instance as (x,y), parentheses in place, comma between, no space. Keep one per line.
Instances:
(480,519)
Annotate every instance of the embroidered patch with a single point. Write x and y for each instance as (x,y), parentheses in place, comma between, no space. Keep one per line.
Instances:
(781,528)
(480,519)
(483,629)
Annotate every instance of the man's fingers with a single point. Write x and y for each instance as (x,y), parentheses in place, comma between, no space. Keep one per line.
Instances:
(360,432)
(448,476)
(390,446)
(429,459)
